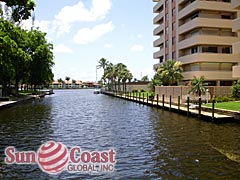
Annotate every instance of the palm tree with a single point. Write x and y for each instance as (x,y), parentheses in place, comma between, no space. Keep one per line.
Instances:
(102,63)
(60,80)
(67,78)
(156,81)
(120,68)
(170,72)
(145,78)
(198,86)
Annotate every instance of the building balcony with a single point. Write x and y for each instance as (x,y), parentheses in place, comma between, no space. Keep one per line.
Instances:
(158,41)
(158,29)
(236,48)
(208,75)
(158,54)
(207,40)
(204,22)
(236,25)
(210,57)
(236,71)
(206,5)
(157,7)
(235,4)
(157,19)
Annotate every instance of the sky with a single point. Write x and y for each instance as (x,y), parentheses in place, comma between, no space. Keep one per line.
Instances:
(84,31)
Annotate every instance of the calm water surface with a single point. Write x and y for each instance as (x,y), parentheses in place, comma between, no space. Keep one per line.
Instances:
(150,143)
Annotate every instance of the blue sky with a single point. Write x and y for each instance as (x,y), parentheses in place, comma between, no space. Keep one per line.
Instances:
(84,31)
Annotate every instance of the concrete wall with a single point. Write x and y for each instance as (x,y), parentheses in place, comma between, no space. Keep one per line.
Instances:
(182,91)
(136,85)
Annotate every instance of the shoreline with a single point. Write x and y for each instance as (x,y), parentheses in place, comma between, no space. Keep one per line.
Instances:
(220,116)
(11,103)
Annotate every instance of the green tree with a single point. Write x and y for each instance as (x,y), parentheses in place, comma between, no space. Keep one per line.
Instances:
(60,80)
(14,53)
(155,81)
(19,9)
(145,78)
(199,87)
(102,63)
(42,59)
(235,89)
(170,72)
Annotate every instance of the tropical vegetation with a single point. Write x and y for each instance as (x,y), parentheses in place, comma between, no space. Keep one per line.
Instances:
(168,73)
(114,75)
(26,58)
(199,87)
(235,91)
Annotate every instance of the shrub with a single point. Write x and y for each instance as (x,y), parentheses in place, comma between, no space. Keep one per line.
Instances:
(134,90)
(236,89)
(142,90)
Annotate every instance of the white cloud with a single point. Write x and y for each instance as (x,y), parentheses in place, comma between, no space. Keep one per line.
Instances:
(61,48)
(86,35)
(79,13)
(137,48)
(108,45)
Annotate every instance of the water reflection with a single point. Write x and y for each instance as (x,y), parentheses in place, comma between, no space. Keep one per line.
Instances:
(150,143)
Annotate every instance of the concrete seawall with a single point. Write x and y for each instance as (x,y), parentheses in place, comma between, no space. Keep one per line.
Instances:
(216,116)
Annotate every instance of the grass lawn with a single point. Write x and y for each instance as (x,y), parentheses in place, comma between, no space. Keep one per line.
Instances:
(232,105)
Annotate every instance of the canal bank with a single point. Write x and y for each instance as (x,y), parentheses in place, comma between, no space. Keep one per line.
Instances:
(192,110)
(29,98)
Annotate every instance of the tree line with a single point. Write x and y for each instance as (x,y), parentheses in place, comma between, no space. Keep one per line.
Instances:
(114,75)
(26,57)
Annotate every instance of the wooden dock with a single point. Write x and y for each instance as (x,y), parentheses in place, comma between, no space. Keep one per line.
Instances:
(181,109)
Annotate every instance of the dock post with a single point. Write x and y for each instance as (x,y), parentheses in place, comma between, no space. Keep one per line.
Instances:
(178,103)
(170,102)
(152,99)
(139,97)
(157,99)
(188,105)
(147,98)
(199,107)
(163,100)
(213,109)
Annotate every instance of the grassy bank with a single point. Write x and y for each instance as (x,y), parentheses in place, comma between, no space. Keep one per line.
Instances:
(233,105)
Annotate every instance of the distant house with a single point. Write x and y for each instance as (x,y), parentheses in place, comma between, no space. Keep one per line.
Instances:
(67,84)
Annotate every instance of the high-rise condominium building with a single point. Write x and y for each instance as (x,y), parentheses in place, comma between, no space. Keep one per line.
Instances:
(199,34)
(236,46)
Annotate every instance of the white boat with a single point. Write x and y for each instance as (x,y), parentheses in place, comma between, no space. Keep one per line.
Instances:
(96,91)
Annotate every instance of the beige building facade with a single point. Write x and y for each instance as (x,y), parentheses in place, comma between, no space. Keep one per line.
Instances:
(236,46)
(199,34)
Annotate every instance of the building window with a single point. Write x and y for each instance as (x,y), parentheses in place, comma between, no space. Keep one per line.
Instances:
(195,15)
(173,11)
(173,26)
(166,44)
(226,17)
(210,49)
(166,57)
(174,40)
(226,50)
(166,17)
(194,50)
(166,30)
(174,55)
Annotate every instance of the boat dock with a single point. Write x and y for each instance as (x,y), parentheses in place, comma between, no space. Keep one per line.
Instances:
(204,113)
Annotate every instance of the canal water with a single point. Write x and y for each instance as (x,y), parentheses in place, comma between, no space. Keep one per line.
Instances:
(150,143)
